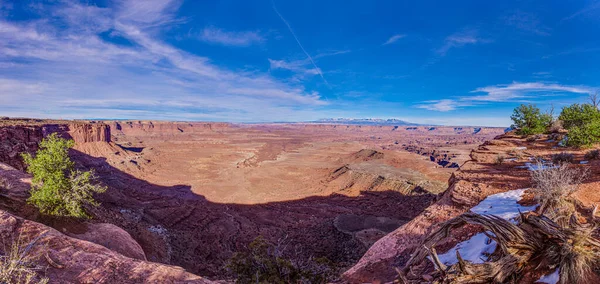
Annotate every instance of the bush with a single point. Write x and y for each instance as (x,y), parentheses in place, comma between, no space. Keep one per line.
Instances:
(16,265)
(553,188)
(57,188)
(577,115)
(583,124)
(529,120)
(499,160)
(592,155)
(265,263)
(562,158)
(586,135)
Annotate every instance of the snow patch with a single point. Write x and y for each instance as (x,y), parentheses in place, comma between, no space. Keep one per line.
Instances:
(503,205)
(537,167)
(551,278)
(479,247)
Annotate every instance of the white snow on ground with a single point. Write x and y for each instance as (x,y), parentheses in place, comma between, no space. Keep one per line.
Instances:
(477,248)
(536,166)
(551,278)
(503,205)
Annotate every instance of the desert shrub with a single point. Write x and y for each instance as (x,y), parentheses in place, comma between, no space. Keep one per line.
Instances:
(583,123)
(562,158)
(528,120)
(265,262)
(553,187)
(58,189)
(578,115)
(592,155)
(17,265)
(586,135)
(499,160)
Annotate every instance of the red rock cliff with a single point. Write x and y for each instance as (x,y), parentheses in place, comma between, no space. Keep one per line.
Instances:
(17,139)
(89,132)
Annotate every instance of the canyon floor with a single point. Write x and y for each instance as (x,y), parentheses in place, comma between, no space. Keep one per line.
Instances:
(193,194)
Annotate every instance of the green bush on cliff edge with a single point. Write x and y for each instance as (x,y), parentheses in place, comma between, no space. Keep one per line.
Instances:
(57,188)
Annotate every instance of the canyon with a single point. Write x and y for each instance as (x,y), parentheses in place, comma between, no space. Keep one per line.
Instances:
(193,194)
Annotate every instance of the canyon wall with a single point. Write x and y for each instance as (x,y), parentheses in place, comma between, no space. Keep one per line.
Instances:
(160,128)
(18,139)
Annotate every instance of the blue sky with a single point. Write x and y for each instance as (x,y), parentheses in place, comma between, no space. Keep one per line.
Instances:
(438,62)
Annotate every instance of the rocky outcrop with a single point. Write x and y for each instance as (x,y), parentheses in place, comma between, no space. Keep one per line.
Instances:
(89,132)
(468,186)
(114,238)
(70,260)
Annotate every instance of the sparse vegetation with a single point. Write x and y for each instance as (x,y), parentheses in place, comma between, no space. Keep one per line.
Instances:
(562,158)
(592,155)
(553,187)
(499,160)
(17,265)
(58,189)
(529,120)
(265,262)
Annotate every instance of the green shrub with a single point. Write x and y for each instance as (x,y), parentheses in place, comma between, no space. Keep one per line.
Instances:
(577,115)
(528,120)
(265,263)
(57,188)
(586,135)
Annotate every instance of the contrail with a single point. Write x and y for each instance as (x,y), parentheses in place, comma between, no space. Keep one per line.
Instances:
(299,44)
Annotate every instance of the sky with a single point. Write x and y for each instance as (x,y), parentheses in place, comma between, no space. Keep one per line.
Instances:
(430,62)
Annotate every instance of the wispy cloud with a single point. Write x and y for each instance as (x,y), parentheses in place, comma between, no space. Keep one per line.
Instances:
(442,105)
(394,39)
(460,39)
(298,41)
(592,7)
(294,66)
(514,92)
(63,68)
(218,36)
(528,23)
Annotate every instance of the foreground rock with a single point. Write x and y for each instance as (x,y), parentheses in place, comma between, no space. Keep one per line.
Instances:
(69,260)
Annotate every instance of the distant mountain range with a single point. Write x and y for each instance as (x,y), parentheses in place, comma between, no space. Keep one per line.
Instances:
(366,121)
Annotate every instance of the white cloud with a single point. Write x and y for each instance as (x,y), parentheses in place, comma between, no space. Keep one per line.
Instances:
(299,66)
(460,39)
(442,105)
(394,39)
(69,71)
(527,22)
(505,93)
(215,35)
